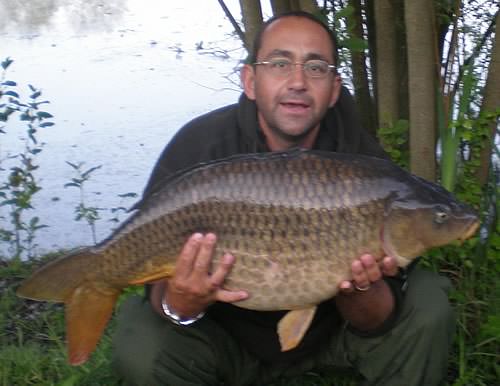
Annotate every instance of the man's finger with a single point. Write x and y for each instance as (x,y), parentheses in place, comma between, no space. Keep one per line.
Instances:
(389,266)
(185,261)
(204,257)
(371,268)
(346,287)
(230,296)
(222,270)
(359,276)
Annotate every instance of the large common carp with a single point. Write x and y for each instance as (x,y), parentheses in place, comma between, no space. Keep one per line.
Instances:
(294,221)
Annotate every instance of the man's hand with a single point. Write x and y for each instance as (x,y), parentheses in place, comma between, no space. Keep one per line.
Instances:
(193,287)
(367,301)
(366,271)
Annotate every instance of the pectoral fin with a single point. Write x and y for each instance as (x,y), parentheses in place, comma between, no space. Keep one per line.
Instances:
(153,273)
(87,312)
(293,326)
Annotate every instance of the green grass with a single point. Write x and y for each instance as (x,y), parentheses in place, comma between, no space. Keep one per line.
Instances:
(32,349)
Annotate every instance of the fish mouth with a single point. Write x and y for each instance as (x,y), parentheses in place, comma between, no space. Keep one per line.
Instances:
(471,230)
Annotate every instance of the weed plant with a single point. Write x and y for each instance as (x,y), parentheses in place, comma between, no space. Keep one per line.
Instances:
(20,186)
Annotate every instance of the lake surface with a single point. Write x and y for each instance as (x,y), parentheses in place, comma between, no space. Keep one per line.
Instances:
(122,76)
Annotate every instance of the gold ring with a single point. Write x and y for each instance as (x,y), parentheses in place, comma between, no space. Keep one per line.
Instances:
(362,289)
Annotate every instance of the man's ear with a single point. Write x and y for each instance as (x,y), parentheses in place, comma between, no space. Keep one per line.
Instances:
(337,86)
(248,81)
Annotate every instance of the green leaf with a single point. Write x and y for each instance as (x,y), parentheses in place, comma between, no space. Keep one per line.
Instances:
(34,105)
(72,380)
(17,103)
(9,83)
(8,202)
(468,124)
(35,94)
(345,12)
(355,44)
(11,93)
(6,63)
(126,195)
(89,171)
(43,115)
(74,166)
(25,117)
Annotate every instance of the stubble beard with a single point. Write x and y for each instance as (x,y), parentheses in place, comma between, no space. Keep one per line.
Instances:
(292,139)
(284,128)
(293,136)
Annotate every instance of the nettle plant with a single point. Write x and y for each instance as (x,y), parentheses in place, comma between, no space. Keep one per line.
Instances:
(18,184)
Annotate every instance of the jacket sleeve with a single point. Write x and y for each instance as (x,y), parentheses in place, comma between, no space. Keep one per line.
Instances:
(203,139)
(181,152)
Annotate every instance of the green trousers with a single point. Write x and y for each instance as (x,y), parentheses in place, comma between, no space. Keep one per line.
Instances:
(150,351)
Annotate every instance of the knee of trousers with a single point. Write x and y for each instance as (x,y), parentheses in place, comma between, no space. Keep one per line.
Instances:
(427,304)
(135,341)
(148,350)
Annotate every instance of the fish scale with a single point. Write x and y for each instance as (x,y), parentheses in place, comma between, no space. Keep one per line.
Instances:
(294,221)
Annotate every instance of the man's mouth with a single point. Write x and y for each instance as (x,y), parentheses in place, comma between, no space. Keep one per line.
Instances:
(295,106)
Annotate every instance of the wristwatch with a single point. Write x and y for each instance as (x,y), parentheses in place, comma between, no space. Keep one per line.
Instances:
(176,319)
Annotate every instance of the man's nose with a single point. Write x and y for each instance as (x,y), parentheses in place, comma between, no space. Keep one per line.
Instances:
(297,77)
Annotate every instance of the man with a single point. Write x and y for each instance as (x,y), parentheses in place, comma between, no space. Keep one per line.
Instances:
(188,332)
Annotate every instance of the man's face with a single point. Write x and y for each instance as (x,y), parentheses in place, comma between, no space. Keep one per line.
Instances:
(290,107)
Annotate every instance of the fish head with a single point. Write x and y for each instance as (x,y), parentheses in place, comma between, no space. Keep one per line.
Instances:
(423,217)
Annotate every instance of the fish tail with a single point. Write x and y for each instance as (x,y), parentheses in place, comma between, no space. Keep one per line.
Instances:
(89,303)
(57,280)
(88,310)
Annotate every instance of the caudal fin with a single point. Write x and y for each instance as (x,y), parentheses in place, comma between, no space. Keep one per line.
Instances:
(57,280)
(89,303)
(87,312)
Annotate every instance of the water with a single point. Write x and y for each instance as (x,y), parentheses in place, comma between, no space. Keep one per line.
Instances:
(122,77)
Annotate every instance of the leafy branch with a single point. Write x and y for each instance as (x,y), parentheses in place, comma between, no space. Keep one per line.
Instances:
(20,186)
(84,212)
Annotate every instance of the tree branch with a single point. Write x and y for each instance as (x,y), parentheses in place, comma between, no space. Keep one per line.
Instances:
(233,21)
(476,50)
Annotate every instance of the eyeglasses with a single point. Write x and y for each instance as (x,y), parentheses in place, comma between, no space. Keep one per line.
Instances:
(282,67)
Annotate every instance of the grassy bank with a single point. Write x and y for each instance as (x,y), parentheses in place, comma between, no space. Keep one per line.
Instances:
(32,347)
(33,352)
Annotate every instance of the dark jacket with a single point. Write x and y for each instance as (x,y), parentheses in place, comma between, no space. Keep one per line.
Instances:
(234,130)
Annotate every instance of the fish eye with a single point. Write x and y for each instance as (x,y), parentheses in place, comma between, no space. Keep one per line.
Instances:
(441,214)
